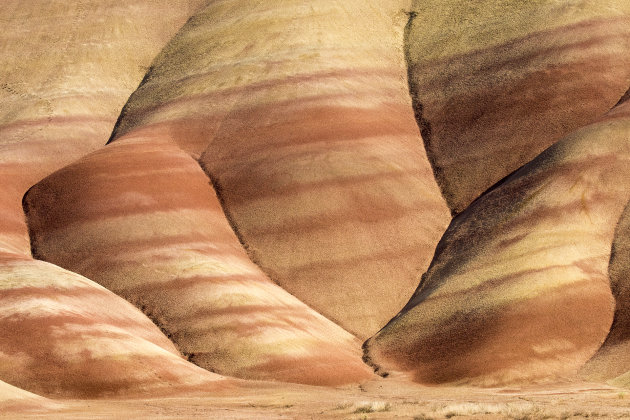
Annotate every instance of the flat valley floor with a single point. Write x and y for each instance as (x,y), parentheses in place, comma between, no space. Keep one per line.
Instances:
(391,398)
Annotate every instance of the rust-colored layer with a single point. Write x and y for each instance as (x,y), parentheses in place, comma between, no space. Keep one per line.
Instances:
(141,218)
(302,116)
(518,289)
(66,69)
(494,87)
(62,335)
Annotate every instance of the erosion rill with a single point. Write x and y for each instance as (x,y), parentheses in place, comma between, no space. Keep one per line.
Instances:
(494,83)
(302,117)
(141,218)
(519,288)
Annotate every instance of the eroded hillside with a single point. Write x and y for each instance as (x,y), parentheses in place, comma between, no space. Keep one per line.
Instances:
(199,195)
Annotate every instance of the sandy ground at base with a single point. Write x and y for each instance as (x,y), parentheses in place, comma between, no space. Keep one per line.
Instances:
(391,398)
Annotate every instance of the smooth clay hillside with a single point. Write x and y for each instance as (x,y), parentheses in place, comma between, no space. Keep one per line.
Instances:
(66,69)
(520,287)
(62,335)
(302,117)
(494,83)
(141,218)
(213,203)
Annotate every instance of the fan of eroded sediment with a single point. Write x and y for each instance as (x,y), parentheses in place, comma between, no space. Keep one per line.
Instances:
(518,289)
(141,218)
(303,116)
(495,83)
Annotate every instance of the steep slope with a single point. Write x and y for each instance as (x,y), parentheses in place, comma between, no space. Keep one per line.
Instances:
(302,115)
(141,218)
(612,361)
(66,69)
(496,82)
(518,289)
(62,335)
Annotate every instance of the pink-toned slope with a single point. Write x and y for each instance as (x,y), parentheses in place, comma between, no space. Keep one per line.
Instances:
(301,112)
(518,290)
(62,335)
(66,69)
(141,218)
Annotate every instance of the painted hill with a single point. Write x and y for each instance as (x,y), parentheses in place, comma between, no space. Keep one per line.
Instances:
(141,218)
(62,335)
(67,69)
(495,83)
(519,287)
(301,114)
(277,183)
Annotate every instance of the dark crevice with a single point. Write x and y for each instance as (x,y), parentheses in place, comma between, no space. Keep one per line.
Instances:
(496,185)
(31,234)
(418,109)
(218,190)
(624,98)
(149,313)
(156,319)
(117,130)
(138,303)
(426,132)
(548,150)
(367,359)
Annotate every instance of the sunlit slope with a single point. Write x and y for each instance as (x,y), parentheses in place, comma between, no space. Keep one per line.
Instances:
(496,82)
(141,218)
(302,116)
(62,335)
(519,287)
(12,398)
(66,69)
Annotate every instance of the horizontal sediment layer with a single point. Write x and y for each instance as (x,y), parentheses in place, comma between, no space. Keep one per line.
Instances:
(141,218)
(302,118)
(62,335)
